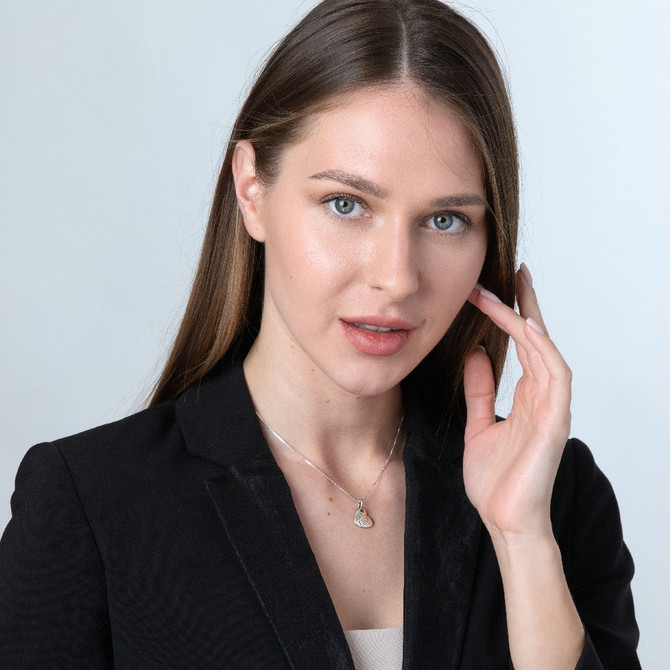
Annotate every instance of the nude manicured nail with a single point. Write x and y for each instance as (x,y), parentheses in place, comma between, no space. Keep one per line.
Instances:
(526,274)
(487,294)
(535,325)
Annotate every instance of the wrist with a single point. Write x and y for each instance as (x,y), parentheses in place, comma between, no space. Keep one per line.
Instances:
(544,626)
(528,551)
(534,533)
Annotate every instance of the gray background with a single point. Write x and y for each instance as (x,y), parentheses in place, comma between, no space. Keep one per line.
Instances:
(114,116)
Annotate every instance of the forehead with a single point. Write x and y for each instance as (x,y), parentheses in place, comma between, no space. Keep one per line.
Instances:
(390,133)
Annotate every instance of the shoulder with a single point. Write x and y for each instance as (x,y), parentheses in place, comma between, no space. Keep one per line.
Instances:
(102,453)
(190,434)
(139,432)
(135,434)
(108,458)
(131,439)
(581,489)
(585,511)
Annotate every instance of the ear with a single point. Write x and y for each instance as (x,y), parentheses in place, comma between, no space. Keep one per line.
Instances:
(248,189)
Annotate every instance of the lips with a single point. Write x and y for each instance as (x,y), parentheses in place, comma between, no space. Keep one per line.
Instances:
(379,322)
(375,329)
(377,336)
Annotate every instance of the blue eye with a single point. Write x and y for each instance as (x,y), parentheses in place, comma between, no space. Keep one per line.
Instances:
(445,222)
(343,206)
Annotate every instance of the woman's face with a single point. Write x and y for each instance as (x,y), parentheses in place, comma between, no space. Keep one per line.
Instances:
(375,234)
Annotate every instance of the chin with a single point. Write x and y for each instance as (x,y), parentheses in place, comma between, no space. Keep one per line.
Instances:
(368,383)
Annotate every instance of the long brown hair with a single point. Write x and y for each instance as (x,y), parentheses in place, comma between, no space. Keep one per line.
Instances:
(340,46)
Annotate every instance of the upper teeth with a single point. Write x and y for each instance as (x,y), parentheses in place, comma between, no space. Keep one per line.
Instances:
(375,328)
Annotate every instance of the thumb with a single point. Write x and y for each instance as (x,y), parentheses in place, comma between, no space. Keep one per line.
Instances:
(479,393)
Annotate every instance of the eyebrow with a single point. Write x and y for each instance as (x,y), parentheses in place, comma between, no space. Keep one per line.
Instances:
(353,180)
(461,200)
(366,186)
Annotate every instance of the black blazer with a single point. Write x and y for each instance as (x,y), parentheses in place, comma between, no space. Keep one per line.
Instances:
(170,540)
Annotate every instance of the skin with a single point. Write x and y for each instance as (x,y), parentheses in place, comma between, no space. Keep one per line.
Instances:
(509,470)
(397,162)
(385,259)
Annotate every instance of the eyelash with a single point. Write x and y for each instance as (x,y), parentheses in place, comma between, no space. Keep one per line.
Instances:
(344,196)
(340,196)
(467,223)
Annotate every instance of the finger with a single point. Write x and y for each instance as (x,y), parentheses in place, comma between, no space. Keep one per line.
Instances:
(479,389)
(549,353)
(527,298)
(503,316)
(527,334)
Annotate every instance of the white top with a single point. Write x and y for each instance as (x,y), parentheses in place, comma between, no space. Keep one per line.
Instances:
(376,649)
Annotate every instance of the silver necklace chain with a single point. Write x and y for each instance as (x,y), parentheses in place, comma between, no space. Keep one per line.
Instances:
(361,518)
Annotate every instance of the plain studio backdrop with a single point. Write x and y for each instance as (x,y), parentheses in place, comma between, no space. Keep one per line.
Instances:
(113,122)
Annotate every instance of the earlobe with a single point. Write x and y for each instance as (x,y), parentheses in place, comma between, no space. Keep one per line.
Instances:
(247,188)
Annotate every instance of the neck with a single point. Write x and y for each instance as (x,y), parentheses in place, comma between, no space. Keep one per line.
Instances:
(325,423)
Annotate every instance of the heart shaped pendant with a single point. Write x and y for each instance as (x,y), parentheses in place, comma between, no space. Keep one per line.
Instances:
(361,517)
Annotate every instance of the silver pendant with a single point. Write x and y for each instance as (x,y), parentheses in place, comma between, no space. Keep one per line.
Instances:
(361,517)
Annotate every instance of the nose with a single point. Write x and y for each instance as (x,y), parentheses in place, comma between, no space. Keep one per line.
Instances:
(392,263)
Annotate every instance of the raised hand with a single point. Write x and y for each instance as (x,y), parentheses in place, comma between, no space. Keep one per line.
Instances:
(509,469)
(510,466)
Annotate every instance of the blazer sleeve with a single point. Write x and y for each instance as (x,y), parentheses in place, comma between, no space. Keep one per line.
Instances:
(597,563)
(53,604)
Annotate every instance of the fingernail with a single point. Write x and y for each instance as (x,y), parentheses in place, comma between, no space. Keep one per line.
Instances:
(487,294)
(526,274)
(535,325)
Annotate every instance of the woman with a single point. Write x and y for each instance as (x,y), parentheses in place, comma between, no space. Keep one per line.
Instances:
(321,472)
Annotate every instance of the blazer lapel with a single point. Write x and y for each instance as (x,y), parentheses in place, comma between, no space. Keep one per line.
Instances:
(254,503)
(255,506)
(442,536)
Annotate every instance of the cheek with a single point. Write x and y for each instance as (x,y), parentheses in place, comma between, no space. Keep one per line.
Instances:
(326,255)
(474,260)
(453,278)
(304,256)
(461,265)
(320,247)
